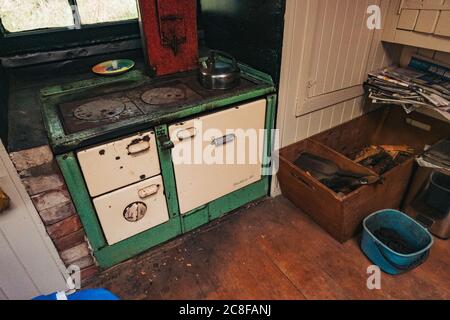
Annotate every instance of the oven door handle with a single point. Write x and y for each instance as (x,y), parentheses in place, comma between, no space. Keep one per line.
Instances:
(223,140)
(187,133)
(148,191)
(138,147)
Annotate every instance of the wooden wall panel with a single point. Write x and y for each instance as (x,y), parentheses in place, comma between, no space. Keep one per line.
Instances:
(299,59)
(443,25)
(339,45)
(341,66)
(427,21)
(420,23)
(408,19)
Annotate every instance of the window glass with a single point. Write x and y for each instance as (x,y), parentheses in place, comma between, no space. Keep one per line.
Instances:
(25,15)
(99,11)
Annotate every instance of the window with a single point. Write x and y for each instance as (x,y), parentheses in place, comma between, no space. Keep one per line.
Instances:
(100,11)
(19,15)
(30,15)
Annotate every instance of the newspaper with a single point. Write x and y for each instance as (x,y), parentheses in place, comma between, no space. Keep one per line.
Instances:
(437,156)
(423,84)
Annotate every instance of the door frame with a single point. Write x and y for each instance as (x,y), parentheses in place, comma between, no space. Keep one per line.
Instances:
(31,214)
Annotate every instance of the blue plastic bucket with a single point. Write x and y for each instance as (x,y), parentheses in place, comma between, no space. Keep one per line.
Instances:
(411,232)
(88,294)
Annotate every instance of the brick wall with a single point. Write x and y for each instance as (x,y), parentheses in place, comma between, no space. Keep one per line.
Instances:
(44,183)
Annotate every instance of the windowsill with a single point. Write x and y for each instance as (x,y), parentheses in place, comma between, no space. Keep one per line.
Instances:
(82,52)
(61,39)
(52,31)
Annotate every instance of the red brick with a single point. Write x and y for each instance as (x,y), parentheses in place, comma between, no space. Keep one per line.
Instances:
(76,253)
(57,214)
(50,199)
(89,272)
(30,158)
(64,227)
(83,262)
(70,240)
(39,184)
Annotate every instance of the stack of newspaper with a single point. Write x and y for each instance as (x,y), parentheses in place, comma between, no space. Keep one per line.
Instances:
(422,84)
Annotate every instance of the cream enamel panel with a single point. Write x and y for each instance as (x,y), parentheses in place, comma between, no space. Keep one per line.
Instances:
(120,163)
(200,183)
(111,207)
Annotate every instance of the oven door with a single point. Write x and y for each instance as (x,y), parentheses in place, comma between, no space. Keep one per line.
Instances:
(218,154)
(119,163)
(129,211)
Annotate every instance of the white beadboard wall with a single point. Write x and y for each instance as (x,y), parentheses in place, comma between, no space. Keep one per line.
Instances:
(298,60)
(295,53)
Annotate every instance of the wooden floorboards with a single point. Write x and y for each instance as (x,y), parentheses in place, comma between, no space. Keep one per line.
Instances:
(269,251)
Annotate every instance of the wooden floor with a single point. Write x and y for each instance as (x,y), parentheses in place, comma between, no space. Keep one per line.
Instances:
(268,251)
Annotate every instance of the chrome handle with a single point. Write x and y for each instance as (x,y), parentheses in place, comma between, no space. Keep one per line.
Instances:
(185,134)
(224,140)
(4,201)
(138,147)
(148,191)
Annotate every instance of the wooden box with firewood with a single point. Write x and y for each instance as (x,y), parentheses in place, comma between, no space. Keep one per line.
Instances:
(374,156)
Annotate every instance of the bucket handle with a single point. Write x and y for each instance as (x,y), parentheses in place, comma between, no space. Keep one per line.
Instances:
(413,265)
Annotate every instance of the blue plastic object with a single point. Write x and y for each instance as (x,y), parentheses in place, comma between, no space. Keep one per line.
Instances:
(89,294)
(408,229)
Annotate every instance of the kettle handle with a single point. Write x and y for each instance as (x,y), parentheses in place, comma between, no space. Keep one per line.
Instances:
(214,53)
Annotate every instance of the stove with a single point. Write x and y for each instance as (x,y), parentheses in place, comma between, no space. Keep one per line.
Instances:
(149,98)
(86,114)
(171,94)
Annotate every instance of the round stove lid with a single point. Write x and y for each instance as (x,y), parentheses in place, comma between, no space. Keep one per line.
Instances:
(162,96)
(99,110)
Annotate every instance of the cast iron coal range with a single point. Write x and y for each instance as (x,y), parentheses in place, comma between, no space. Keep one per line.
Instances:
(179,90)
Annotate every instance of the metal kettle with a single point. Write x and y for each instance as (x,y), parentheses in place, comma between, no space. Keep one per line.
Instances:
(216,74)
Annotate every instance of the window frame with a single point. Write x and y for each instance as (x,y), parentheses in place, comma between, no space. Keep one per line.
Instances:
(7,34)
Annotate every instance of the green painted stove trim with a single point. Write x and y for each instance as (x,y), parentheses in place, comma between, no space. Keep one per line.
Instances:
(76,185)
(167,172)
(108,256)
(195,219)
(220,207)
(233,201)
(62,143)
(112,255)
(97,81)
(270,138)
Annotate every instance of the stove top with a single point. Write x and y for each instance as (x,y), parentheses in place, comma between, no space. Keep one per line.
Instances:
(100,109)
(149,98)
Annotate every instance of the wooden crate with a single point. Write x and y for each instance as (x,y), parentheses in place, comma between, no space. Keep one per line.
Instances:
(341,215)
